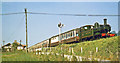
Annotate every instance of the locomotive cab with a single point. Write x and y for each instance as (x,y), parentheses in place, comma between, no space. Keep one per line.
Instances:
(85,28)
(85,32)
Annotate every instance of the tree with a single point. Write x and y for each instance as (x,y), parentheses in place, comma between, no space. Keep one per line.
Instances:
(14,46)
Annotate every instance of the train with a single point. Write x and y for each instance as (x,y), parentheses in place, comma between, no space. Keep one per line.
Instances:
(84,33)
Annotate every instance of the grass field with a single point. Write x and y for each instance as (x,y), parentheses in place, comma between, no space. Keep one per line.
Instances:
(23,56)
(18,56)
(107,50)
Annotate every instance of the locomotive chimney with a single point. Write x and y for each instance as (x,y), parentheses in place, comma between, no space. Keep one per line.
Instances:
(105,21)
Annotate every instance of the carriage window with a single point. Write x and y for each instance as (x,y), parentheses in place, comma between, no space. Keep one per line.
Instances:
(71,34)
(91,26)
(66,35)
(76,33)
(62,36)
(85,27)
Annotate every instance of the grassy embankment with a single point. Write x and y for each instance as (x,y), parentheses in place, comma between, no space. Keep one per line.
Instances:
(107,48)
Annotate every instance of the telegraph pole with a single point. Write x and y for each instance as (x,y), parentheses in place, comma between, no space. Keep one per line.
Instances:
(26,31)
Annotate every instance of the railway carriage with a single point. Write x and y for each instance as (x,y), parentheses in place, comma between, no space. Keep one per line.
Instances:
(66,37)
(39,45)
(53,40)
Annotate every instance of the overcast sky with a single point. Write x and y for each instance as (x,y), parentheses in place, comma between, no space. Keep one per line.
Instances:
(41,27)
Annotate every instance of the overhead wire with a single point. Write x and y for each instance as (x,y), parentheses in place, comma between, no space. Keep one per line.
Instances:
(103,15)
(71,14)
(12,13)
(58,14)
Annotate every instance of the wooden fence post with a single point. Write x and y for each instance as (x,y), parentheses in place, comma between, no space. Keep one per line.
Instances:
(96,49)
(72,51)
(61,48)
(69,49)
(81,49)
(39,52)
(117,53)
(80,58)
(36,52)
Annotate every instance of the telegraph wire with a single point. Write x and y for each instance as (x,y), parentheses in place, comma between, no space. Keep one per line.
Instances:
(103,15)
(45,14)
(71,14)
(57,14)
(12,13)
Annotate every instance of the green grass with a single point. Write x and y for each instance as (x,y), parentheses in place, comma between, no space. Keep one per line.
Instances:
(107,48)
(18,56)
(23,56)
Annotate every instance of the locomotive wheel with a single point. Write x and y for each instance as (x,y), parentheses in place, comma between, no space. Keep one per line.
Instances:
(98,37)
(83,39)
(91,39)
